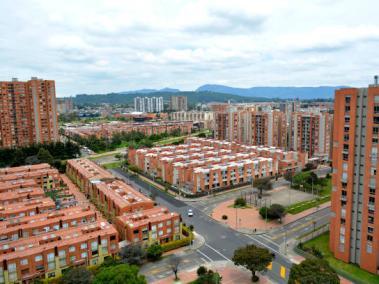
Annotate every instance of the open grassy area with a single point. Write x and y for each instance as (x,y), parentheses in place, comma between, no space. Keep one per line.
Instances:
(323,196)
(112,165)
(355,273)
(305,205)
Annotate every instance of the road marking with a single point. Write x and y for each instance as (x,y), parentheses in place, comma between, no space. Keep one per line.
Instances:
(282,272)
(269,240)
(269,267)
(216,251)
(203,254)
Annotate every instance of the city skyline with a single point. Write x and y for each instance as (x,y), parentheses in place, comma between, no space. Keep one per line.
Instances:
(120,47)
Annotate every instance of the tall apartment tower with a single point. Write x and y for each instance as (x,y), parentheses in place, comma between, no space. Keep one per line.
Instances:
(310,132)
(146,104)
(28,112)
(354,228)
(178,103)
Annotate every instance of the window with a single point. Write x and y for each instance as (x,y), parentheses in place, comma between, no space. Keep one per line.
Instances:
(11,267)
(50,257)
(104,242)
(94,246)
(370,219)
(62,253)
(168,223)
(38,257)
(347,99)
(71,249)
(24,261)
(345,157)
(370,230)
(160,225)
(169,230)
(160,233)
(346,137)
(372,190)
(72,258)
(154,228)
(346,128)
(83,245)
(369,238)
(347,119)
(84,255)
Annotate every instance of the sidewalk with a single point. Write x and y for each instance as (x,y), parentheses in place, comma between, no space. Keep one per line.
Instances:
(230,273)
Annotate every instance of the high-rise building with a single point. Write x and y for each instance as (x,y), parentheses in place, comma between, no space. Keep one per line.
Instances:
(354,229)
(311,132)
(146,104)
(64,105)
(247,125)
(178,103)
(28,112)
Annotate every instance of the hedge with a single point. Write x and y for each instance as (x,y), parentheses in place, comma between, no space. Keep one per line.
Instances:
(179,243)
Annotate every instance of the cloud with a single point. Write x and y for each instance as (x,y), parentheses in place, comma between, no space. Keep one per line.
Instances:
(98,46)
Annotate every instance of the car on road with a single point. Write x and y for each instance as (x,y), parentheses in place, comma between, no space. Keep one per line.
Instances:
(190,213)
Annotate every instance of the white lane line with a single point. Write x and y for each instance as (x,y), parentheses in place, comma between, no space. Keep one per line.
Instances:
(266,246)
(269,240)
(203,254)
(216,251)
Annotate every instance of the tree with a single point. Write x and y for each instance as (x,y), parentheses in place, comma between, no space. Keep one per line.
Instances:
(253,258)
(277,211)
(174,263)
(263,184)
(77,275)
(132,254)
(154,252)
(206,276)
(288,176)
(309,167)
(44,156)
(201,270)
(119,274)
(239,202)
(312,271)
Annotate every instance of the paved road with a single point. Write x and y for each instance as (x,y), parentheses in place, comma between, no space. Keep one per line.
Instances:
(301,226)
(220,241)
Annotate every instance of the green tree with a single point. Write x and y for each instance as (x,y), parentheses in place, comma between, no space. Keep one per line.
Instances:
(313,271)
(263,184)
(132,254)
(253,258)
(154,252)
(239,202)
(277,211)
(119,274)
(207,276)
(77,275)
(44,156)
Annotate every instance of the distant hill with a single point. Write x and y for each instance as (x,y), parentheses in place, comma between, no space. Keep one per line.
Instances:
(302,93)
(193,97)
(148,91)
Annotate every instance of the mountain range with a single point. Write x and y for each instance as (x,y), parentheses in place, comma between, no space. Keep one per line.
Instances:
(214,93)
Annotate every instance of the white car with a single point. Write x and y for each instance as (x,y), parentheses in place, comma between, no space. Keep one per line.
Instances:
(190,213)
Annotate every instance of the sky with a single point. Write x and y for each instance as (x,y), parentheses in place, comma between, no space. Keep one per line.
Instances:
(90,46)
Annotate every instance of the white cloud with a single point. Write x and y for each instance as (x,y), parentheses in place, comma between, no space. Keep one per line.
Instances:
(94,46)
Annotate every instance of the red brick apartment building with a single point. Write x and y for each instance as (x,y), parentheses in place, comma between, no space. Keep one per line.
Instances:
(354,228)
(44,175)
(118,200)
(107,130)
(156,224)
(246,124)
(47,255)
(204,164)
(27,112)
(37,239)
(311,132)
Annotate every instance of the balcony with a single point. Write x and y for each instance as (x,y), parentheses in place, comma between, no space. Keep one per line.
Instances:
(343,197)
(371,206)
(343,213)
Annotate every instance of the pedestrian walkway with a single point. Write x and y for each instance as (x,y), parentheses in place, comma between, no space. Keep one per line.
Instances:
(230,274)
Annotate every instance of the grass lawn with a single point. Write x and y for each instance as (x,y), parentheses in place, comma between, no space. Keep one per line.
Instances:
(112,165)
(305,205)
(356,274)
(324,196)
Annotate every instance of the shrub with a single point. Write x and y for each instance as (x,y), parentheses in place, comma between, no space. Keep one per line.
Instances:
(191,227)
(176,244)
(224,217)
(201,271)
(240,202)
(154,252)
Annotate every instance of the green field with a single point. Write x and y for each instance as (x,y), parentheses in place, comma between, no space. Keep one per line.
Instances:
(324,196)
(348,270)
